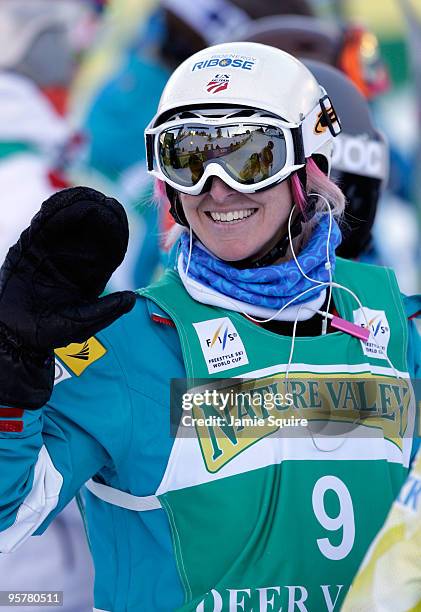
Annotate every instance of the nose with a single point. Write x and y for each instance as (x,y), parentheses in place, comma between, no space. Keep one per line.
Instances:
(220,191)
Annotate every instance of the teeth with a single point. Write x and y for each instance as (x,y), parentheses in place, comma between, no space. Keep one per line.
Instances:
(232,215)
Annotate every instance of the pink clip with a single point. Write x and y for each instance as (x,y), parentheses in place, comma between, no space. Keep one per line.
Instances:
(350,328)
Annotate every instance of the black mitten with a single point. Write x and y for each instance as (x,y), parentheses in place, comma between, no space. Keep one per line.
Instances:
(49,287)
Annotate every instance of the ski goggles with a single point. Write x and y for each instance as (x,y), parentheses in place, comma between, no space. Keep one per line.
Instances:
(248,154)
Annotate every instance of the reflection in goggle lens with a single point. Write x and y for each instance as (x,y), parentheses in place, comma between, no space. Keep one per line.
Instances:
(248,153)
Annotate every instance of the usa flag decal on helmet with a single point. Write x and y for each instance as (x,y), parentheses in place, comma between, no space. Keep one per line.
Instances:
(218,83)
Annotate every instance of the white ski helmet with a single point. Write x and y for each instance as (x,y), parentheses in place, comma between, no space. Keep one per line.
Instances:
(230,77)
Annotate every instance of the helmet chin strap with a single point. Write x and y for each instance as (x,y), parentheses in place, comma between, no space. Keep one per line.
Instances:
(176,208)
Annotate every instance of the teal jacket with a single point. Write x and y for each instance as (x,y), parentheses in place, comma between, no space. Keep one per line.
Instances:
(109,417)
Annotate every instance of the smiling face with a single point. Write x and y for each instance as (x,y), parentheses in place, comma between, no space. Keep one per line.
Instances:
(234,225)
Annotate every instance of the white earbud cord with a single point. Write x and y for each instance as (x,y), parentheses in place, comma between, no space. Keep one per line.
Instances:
(328,264)
(190,250)
(326,314)
(317,285)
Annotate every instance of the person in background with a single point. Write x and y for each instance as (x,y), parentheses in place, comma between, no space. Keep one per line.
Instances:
(360,161)
(350,47)
(195,164)
(354,50)
(251,169)
(389,578)
(33,134)
(266,159)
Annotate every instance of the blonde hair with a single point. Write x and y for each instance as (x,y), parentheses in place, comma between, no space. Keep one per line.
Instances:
(319,184)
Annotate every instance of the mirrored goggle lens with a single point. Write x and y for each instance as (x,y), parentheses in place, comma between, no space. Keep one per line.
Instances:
(248,153)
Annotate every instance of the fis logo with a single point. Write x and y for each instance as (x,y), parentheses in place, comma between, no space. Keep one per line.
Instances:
(376,345)
(322,122)
(221,337)
(221,344)
(218,83)
(376,325)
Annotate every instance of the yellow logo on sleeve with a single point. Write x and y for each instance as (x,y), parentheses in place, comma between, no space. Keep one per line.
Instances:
(78,356)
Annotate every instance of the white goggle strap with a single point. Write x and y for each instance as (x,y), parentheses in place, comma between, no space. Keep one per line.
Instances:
(210,18)
(320,126)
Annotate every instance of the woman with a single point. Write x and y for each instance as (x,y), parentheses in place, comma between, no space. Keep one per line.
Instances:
(251,169)
(232,513)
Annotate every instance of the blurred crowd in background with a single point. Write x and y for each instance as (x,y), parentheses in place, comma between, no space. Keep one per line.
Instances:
(79,82)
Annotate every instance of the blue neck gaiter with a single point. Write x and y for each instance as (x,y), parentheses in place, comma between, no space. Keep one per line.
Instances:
(270,287)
